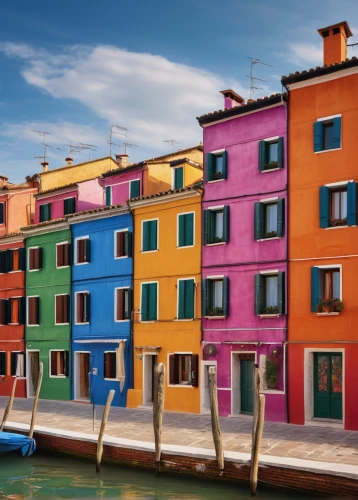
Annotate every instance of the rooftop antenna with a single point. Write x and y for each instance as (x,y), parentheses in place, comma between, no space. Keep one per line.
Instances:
(81,146)
(44,143)
(123,132)
(128,145)
(254,79)
(172,142)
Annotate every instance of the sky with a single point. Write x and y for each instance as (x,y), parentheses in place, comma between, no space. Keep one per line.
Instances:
(75,68)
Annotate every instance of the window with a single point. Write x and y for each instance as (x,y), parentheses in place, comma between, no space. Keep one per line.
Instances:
(326,287)
(338,205)
(269,219)
(271,370)
(33,311)
(185,230)
(183,369)
(69,206)
(82,307)
(186,293)
(35,259)
(15,260)
(2,213)
(270,293)
(123,244)
(45,212)
(327,134)
(110,368)
(82,250)
(216,225)
(62,254)
(18,364)
(122,306)
(216,166)
(149,235)
(178,178)
(149,302)
(62,309)
(2,363)
(134,188)
(16,311)
(59,363)
(215,296)
(4,312)
(108,192)
(271,154)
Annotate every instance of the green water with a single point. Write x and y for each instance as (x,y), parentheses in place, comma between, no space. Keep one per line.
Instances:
(56,477)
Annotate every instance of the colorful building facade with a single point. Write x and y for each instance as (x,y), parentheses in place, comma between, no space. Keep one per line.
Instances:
(323,244)
(244,255)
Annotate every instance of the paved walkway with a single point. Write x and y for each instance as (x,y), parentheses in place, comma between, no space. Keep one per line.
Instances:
(280,440)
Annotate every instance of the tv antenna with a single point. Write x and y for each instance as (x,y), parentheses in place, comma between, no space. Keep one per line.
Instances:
(44,143)
(80,146)
(172,142)
(128,145)
(123,132)
(254,79)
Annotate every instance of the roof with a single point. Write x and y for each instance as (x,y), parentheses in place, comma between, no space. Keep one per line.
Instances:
(66,167)
(10,235)
(58,188)
(174,163)
(192,187)
(300,76)
(43,224)
(251,105)
(337,25)
(95,210)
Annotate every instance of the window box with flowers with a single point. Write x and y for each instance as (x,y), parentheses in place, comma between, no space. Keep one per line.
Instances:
(329,306)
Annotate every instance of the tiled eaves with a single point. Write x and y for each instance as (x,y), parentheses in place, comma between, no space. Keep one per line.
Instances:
(41,174)
(43,224)
(300,76)
(58,188)
(262,102)
(10,235)
(193,187)
(180,161)
(94,211)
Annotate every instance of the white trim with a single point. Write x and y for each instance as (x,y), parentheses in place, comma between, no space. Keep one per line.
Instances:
(217,152)
(337,184)
(272,271)
(28,259)
(270,239)
(76,374)
(58,244)
(267,170)
(18,352)
(216,208)
(75,318)
(75,241)
(337,227)
(173,176)
(327,118)
(115,305)
(140,301)
(106,378)
(269,200)
(326,151)
(141,236)
(49,363)
(178,215)
(180,353)
(216,277)
(194,304)
(145,401)
(335,266)
(322,79)
(272,139)
(130,186)
(216,180)
(204,363)
(56,324)
(126,230)
(216,244)
(27,309)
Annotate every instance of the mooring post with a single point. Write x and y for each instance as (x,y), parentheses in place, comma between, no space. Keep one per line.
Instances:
(9,405)
(257,429)
(103,427)
(158,407)
(36,400)
(215,424)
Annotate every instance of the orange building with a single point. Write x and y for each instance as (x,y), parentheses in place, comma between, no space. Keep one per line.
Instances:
(323,238)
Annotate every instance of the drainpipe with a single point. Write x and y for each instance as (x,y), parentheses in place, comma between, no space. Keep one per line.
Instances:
(201,192)
(132,315)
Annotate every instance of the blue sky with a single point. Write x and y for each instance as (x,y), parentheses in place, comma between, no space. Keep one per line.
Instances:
(73,68)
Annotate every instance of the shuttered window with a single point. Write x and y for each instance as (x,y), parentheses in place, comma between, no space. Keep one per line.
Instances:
(123,306)
(216,225)
(338,205)
(62,306)
(183,369)
(327,134)
(35,259)
(45,212)
(325,285)
(16,311)
(270,154)
(269,293)
(18,364)
(4,312)
(215,296)
(33,311)
(3,261)
(269,219)
(178,178)
(110,365)
(69,206)
(134,189)
(216,166)
(82,307)
(63,254)
(82,250)
(2,363)
(186,293)
(15,260)
(59,363)
(149,301)
(149,235)
(186,230)
(123,244)
(108,196)
(2,213)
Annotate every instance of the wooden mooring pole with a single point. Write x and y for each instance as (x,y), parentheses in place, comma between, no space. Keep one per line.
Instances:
(103,428)
(215,424)
(36,399)
(9,405)
(158,407)
(257,429)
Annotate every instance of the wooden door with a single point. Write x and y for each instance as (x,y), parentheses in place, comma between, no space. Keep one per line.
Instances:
(247,385)
(84,370)
(328,383)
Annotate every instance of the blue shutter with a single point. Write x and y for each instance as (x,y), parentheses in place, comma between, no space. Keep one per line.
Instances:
(318,136)
(209,166)
(281,292)
(144,302)
(280,154)
(337,124)
(207,227)
(226,228)
(108,195)
(315,287)
(181,300)
(1,213)
(262,155)
(226,296)
(135,189)
(225,160)
(258,293)
(351,204)
(204,297)
(153,294)
(323,206)
(259,220)
(280,217)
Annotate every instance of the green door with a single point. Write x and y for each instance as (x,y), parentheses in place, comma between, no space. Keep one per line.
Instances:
(247,385)
(328,385)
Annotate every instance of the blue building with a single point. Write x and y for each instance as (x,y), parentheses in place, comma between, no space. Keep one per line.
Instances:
(102,274)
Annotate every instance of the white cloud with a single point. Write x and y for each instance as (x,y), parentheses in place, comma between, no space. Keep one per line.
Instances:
(19,50)
(304,54)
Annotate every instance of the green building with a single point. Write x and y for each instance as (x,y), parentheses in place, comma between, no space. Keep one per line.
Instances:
(48,322)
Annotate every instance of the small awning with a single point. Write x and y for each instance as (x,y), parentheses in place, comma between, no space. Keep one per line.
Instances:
(99,341)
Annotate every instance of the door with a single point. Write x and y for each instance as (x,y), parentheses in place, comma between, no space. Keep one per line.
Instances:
(328,383)
(33,372)
(150,360)
(247,385)
(84,360)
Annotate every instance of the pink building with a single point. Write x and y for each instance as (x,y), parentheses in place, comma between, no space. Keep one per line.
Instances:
(244,257)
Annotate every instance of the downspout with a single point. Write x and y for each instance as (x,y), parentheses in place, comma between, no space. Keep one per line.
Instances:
(132,312)
(201,192)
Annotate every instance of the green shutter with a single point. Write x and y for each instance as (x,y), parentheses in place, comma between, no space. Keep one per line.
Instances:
(280,154)
(226,296)
(315,287)
(337,124)
(189,229)
(152,301)
(226,228)
(135,189)
(262,155)
(209,167)
(207,227)
(178,177)
(318,136)
(69,206)
(153,235)
(108,196)
(189,299)
(281,293)
(351,204)
(225,157)
(181,228)
(145,236)
(259,220)
(324,206)
(204,297)
(144,302)
(280,217)
(258,293)
(46,212)
(181,300)
(42,213)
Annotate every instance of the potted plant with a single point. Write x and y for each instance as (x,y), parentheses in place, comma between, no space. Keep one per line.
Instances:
(270,234)
(216,176)
(325,306)
(271,374)
(337,305)
(271,164)
(270,310)
(338,222)
(216,311)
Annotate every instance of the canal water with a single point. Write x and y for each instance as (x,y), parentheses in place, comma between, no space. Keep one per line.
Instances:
(57,477)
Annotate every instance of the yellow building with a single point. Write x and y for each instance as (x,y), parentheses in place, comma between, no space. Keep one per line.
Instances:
(167,296)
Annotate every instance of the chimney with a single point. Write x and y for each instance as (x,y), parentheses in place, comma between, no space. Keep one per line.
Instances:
(44,166)
(231,99)
(69,161)
(3,180)
(335,42)
(122,160)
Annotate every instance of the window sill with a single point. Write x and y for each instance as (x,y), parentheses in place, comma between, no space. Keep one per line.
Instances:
(271,391)
(336,227)
(17,271)
(216,244)
(270,239)
(58,376)
(215,317)
(216,180)
(80,263)
(328,314)
(185,246)
(270,315)
(183,319)
(149,251)
(62,267)
(121,257)
(149,321)
(84,323)
(111,379)
(121,320)
(326,151)
(32,325)
(61,324)
(184,386)
(270,170)
(33,270)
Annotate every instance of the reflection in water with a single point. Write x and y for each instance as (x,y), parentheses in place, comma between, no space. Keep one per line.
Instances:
(57,477)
